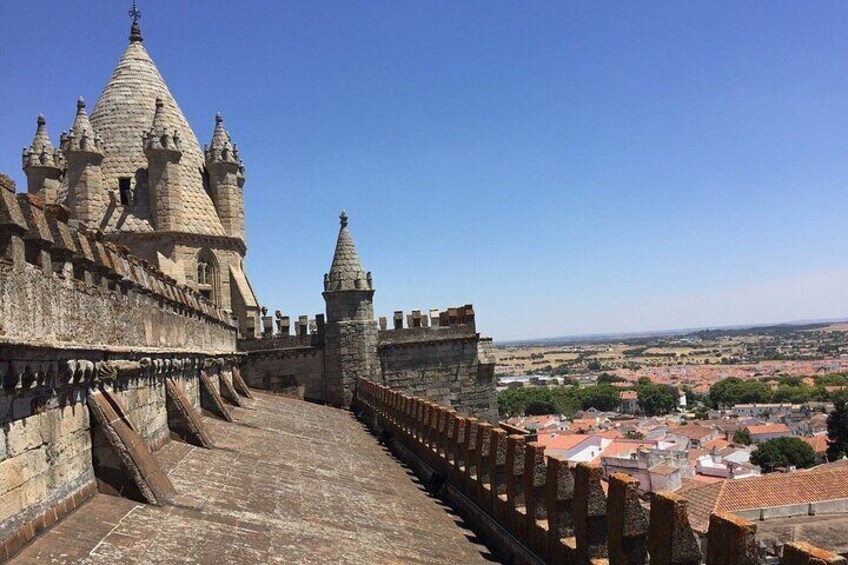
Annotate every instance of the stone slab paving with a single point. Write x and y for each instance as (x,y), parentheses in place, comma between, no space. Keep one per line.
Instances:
(289,482)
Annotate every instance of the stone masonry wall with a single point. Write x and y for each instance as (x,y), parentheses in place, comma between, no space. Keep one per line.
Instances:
(45,453)
(79,315)
(298,371)
(54,310)
(456,371)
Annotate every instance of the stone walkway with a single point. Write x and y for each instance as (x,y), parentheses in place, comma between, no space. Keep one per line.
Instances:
(290,482)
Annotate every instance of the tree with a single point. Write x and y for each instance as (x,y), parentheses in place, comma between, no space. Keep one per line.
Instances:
(634,434)
(733,390)
(655,400)
(742,436)
(609,378)
(783,452)
(837,429)
(601,397)
(540,408)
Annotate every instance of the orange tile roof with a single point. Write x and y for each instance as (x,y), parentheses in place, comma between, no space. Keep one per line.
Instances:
(628,395)
(561,441)
(817,442)
(622,447)
(768,429)
(717,443)
(692,431)
(822,483)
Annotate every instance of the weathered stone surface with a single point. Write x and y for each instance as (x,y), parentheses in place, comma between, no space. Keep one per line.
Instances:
(277,493)
(129,448)
(731,541)
(186,419)
(627,523)
(670,537)
(800,553)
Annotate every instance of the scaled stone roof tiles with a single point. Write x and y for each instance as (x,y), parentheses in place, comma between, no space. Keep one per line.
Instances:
(122,115)
(346,272)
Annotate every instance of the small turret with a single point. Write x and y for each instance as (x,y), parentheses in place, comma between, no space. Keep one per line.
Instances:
(226,179)
(43,164)
(351,331)
(163,150)
(83,149)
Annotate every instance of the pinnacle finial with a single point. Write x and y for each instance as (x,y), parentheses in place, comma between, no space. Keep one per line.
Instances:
(40,120)
(218,118)
(343,218)
(135,30)
(80,105)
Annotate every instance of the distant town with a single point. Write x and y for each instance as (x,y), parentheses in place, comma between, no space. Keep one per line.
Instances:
(739,420)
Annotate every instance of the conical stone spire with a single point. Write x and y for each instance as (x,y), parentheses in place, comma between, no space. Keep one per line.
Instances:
(346,272)
(82,136)
(160,136)
(41,152)
(222,148)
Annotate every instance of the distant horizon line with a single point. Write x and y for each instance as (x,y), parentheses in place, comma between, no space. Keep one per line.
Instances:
(604,336)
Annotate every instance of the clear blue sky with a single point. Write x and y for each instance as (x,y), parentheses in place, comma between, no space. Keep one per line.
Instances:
(566,167)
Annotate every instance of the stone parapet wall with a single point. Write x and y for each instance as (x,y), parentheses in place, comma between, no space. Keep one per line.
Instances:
(535,508)
(62,284)
(295,371)
(456,371)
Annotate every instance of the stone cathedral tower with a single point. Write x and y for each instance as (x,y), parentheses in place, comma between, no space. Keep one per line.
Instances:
(351,331)
(135,171)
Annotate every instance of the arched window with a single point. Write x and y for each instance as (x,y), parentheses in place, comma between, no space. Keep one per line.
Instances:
(207,276)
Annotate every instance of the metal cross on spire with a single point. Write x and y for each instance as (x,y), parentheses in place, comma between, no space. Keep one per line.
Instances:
(135,30)
(134,13)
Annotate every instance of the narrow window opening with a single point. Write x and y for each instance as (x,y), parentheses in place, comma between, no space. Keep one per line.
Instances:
(124,190)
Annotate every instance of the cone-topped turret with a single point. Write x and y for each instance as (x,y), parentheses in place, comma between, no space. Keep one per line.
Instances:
(41,151)
(160,135)
(163,149)
(82,137)
(350,332)
(346,272)
(222,148)
(43,164)
(226,179)
(84,152)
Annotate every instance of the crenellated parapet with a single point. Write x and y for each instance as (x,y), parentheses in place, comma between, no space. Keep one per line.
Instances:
(35,234)
(283,331)
(423,325)
(533,508)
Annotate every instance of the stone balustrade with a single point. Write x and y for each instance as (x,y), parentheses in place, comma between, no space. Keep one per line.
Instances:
(540,509)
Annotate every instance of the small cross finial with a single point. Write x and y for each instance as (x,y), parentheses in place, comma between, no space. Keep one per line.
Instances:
(134,13)
(343,218)
(135,30)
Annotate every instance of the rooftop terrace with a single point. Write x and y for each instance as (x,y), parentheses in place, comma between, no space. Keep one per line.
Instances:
(289,482)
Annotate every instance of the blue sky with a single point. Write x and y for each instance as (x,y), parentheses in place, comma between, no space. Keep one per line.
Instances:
(565,167)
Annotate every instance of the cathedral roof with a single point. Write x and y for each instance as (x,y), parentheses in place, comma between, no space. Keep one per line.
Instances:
(122,116)
(346,272)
